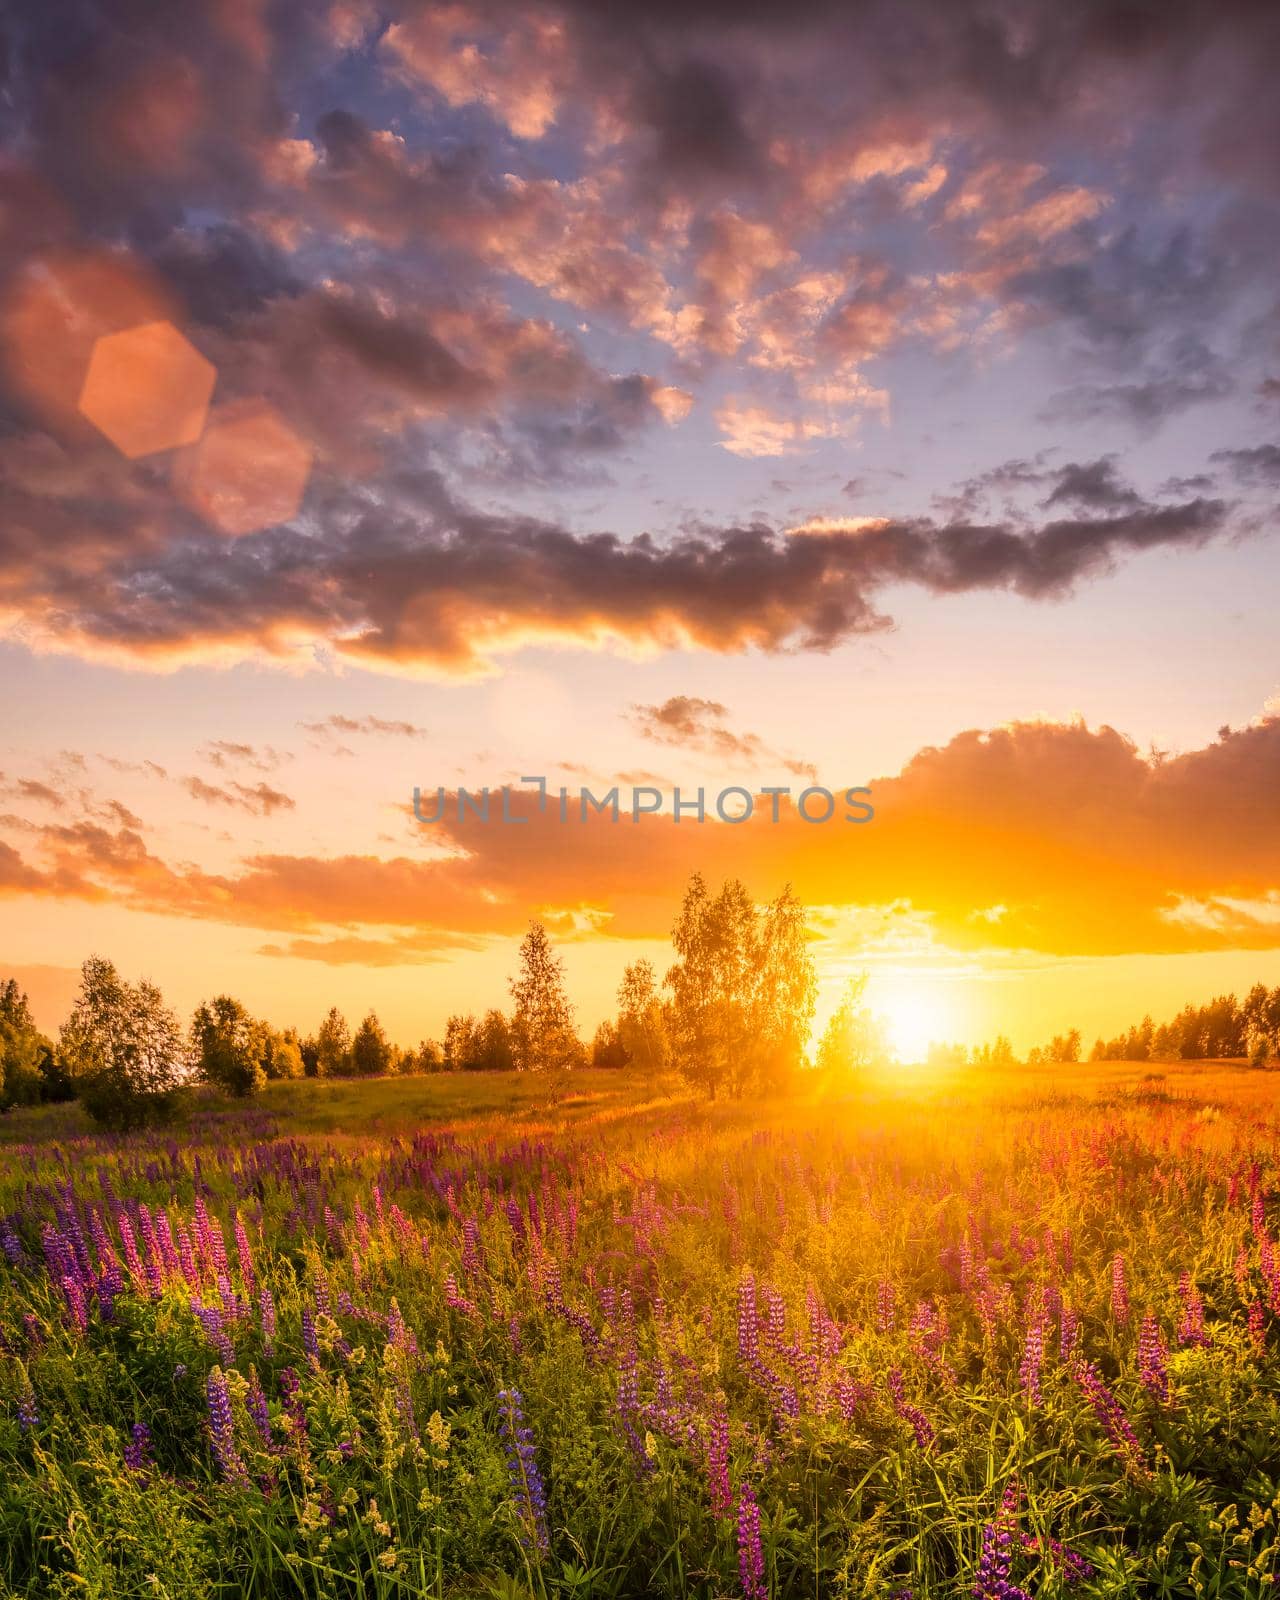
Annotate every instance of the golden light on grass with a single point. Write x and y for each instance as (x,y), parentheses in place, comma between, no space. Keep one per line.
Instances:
(147,389)
(249,470)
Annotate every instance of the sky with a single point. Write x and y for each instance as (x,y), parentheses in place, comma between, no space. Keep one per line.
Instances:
(877,395)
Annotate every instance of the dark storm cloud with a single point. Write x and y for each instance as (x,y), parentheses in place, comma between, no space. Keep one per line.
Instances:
(417,577)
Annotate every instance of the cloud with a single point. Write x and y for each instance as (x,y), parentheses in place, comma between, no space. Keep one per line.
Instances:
(260,799)
(337,723)
(419,581)
(226,753)
(1259,464)
(1086,847)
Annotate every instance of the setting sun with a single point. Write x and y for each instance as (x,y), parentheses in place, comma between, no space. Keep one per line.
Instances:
(915,1018)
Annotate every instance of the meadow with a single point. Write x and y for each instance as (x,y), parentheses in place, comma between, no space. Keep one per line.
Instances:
(994,1334)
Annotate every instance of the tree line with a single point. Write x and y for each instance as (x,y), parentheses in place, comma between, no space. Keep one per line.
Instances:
(1224,1029)
(732,1015)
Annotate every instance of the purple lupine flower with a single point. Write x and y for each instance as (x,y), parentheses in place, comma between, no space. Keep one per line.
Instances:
(1119,1291)
(267,1318)
(527,1491)
(1033,1356)
(1074,1567)
(1153,1373)
(886,1306)
(750,1552)
(28,1412)
(76,1305)
(137,1453)
(1191,1324)
(11,1244)
(1110,1414)
(748,1325)
(993,1579)
(718,1463)
(920,1424)
(244,1255)
(222,1431)
(256,1405)
(455,1299)
(310,1342)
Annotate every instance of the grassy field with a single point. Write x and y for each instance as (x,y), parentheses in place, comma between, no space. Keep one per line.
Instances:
(1008,1334)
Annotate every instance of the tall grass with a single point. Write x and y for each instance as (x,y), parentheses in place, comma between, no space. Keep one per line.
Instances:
(992,1334)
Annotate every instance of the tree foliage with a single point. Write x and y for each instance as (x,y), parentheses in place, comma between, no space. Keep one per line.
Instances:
(27,1070)
(543,1037)
(743,989)
(229,1046)
(123,1049)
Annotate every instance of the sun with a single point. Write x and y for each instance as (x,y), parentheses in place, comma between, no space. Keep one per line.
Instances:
(914,1019)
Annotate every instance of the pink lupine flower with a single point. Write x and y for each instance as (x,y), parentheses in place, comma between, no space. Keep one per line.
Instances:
(1119,1292)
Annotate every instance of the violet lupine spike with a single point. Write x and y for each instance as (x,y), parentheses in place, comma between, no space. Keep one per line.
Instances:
(244,1256)
(137,1453)
(527,1491)
(750,1550)
(28,1411)
(1191,1329)
(267,1318)
(256,1406)
(1153,1373)
(1119,1291)
(222,1431)
(920,1424)
(310,1342)
(1110,1414)
(1033,1358)
(993,1579)
(718,1463)
(748,1325)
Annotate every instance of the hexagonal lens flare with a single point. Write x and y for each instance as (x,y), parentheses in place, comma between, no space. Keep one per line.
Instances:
(148,389)
(249,471)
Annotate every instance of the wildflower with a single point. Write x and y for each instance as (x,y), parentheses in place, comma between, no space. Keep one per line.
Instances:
(222,1429)
(267,1318)
(718,1463)
(993,1580)
(522,1471)
(1257,1326)
(1152,1371)
(750,1553)
(1033,1355)
(28,1413)
(1119,1292)
(1110,1413)
(1191,1325)
(137,1453)
(748,1326)
(920,1424)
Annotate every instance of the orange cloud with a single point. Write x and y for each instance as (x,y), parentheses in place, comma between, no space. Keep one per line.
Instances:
(1035,837)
